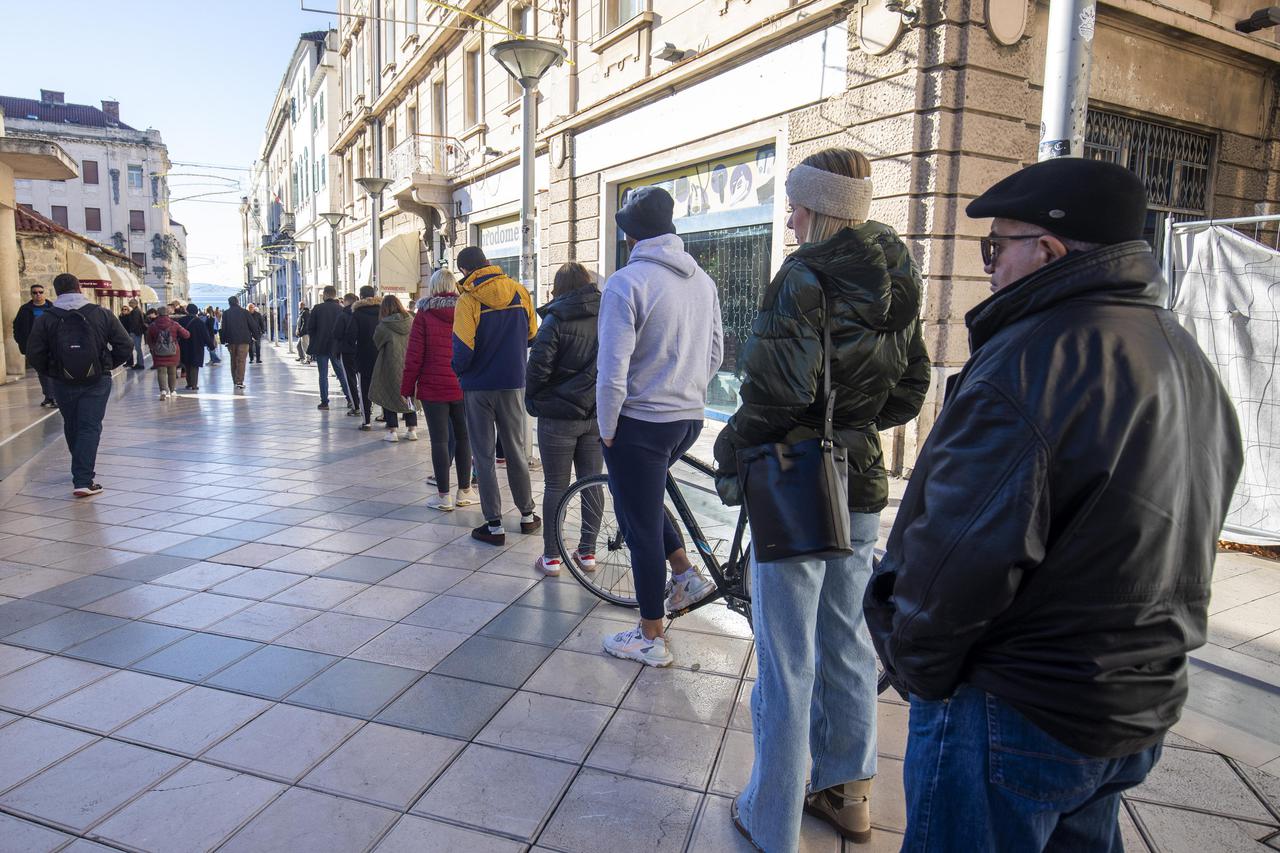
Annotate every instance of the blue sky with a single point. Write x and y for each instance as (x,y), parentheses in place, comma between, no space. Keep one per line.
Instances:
(202,73)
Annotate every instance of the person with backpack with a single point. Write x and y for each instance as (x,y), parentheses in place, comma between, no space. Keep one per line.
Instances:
(193,348)
(77,344)
(162,338)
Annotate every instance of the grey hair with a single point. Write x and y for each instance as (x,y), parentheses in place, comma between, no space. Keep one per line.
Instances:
(162,310)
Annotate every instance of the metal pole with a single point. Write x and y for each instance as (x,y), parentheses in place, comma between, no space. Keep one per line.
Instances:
(529,132)
(333,244)
(375,234)
(290,272)
(1067,60)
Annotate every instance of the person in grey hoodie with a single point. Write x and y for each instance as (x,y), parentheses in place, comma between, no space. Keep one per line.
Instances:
(661,343)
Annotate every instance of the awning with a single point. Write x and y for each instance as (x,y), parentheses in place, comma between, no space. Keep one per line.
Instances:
(149,294)
(91,271)
(400,263)
(364,275)
(123,283)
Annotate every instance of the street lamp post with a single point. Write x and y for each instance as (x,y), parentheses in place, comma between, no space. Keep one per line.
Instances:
(527,60)
(334,220)
(374,188)
(299,252)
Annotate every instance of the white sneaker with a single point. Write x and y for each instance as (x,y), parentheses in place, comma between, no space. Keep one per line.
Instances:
(632,645)
(467,497)
(391,435)
(688,591)
(444,503)
(586,561)
(164,395)
(431,480)
(411,435)
(549,566)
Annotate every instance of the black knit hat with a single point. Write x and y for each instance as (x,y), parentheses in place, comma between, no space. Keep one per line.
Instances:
(1087,200)
(647,213)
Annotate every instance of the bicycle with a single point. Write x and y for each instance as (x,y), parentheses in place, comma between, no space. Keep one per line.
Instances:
(587,525)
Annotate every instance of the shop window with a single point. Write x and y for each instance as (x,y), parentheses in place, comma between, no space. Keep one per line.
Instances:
(89,171)
(135,178)
(137,220)
(92,219)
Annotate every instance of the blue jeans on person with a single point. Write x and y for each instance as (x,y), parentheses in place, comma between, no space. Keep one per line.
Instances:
(638,461)
(82,407)
(981,776)
(815,699)
(138,360)
(322,364)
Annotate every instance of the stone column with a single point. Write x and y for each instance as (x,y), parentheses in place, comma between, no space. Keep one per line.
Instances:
(11,361)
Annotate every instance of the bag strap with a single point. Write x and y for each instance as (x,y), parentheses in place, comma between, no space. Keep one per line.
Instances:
(828,424)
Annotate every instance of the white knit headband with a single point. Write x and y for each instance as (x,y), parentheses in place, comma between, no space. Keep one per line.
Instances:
(829,193)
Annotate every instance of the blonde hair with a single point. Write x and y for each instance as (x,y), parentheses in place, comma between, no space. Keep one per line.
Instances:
(443,282)
(838,161)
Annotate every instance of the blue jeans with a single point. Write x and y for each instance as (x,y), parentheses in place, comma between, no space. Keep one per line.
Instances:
(981,776)
(82,407)
(138,360)
(322,364)
(815,700)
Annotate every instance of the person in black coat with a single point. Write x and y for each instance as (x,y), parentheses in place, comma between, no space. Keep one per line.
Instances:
(359,336)
(23,321)
(344,353)
(192,349)
(237,334)
(317,331)
(135,324)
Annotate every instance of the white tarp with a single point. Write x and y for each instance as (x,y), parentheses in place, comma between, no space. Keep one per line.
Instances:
(1227,288)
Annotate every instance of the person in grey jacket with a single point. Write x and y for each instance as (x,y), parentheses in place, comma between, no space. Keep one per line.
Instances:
(661,343)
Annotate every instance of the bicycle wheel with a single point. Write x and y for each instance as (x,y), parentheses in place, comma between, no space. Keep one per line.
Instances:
(587,524)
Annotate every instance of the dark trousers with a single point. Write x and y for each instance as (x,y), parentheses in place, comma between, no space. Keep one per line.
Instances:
(638,461)
(82,407)
(567,446)
(137,360)
(322,363)
(440,416)
(348,367)
(981,776)
(255,349)
(193,376)
(390,417)
(366,381)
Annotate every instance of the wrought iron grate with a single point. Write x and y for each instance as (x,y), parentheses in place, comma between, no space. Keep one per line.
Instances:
(1173,163)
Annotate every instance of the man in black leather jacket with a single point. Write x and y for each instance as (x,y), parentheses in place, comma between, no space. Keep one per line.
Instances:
(1049,567)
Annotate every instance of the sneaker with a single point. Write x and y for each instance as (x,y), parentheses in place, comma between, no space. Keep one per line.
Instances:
(324,407)
(467,497)
(502,462)
(444,503)
(353,412)
(411,434)
(847,808)
(87,491)
(688,590)
(380,419)
(365,427)
(586,561)
(549,566)
(391,435)
(485,534)
(164,395)
(532,526)
(431,480)
(633,645)
(240,387)
(48,403)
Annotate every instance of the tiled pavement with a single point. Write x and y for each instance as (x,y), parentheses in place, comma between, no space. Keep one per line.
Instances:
(259,639)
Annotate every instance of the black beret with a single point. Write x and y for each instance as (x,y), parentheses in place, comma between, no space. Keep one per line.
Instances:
(647,213)
(1087,200)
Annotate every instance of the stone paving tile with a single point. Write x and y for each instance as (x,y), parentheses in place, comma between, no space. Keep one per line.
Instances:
(46,680)
(733,766)
(21,836)
(295,537)
(721,655)
(127,644)
(251,531)
(306,561)
(264,621)
(34,580)
(284,743)
(312,822)
(21,614)
(106,705)
(200,576)
(546,725)
(465,615)
(255,554)
(354,687)
(334,633)
(627,815)
(693,696)
(663,749)
(588,637)
(319,593)
(466,792)
(147,569)
(420,835)
(197,657)
(193,721)
(29,746)
(346,542)
(90,784)
(13,658)
(1177,831)
(193,810)
(715,831)
(82,591)
(384,765)
(64,631)
(198,611)
(589,678)
(532,625)
(384,602)
(410,646)
(570,598)
(138,601)
(364,569)
(492,587)
(446,706)
(257,584)
(201,547)
(426,577)
(408,550)
(1200,780)
(495,661)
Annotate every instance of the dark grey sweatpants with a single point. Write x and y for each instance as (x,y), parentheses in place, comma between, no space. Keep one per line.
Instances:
(500,413)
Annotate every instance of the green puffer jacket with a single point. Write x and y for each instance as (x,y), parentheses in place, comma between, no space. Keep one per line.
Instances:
(391,338)
(880,368)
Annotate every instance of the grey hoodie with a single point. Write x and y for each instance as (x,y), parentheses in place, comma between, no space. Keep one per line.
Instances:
(660,337)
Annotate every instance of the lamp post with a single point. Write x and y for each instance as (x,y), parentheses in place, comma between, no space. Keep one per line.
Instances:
(334,220)
(527,60)
(374,187)
(299,251)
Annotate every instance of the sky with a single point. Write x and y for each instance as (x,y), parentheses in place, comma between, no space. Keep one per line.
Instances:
(202,73)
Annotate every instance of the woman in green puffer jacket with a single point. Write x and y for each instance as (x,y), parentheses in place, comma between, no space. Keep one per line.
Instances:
(815,699)
(391,339)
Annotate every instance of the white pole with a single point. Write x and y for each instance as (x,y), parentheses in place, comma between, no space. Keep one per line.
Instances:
(1067,61)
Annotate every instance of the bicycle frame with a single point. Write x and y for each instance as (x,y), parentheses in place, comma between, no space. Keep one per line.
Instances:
(729,577)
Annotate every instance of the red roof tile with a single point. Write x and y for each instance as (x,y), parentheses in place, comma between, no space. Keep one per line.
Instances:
(30,222)
(77,114)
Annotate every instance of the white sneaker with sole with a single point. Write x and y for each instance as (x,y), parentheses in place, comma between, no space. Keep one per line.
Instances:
(411,435)
(549,566)
(87,491)
(444,503)
(633,645)
(467,497)
(391,436)
(688,590)
(586,561)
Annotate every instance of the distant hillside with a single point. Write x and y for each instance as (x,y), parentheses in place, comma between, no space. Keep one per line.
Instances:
(211,294)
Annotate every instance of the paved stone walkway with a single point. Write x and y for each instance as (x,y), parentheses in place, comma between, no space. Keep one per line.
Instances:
(259,639)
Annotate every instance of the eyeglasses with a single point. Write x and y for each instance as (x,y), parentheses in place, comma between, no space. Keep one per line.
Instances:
(991,246)
(37,293)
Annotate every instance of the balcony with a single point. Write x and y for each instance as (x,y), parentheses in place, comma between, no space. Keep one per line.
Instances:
(426,158)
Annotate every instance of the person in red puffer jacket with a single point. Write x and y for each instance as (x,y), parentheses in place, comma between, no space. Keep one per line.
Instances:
(429,377)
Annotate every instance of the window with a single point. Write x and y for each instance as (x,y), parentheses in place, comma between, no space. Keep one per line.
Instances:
(391,136)
(59,214)
(26,206)
(89,171)
(92,219)
(522,23)
(135,177)
(618,12)
(388,37)
(320,107)
(472,83)
(140,258)
(438,122)
(137,220)
(411,15)
(410,122)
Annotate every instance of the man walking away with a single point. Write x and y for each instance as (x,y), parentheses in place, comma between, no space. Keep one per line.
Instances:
(321,344)
(162,337)
(492,326)
(304,345)
(1049,568)
(365,316)
(212,324)
(23,322)
(193,348)
(344,354)
(77,344)
(257,329)
(237,334)
(136,325)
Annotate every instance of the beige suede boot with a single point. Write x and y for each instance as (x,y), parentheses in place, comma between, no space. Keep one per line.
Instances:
(846,807)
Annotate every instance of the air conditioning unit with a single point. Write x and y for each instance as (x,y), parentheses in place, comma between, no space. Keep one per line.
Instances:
(287,221)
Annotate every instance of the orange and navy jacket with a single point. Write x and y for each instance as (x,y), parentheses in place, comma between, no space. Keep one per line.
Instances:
(492,327)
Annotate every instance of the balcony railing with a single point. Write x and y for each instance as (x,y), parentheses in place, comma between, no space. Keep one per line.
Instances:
(426,154)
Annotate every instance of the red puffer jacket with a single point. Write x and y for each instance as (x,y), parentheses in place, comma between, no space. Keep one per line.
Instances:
(427,374)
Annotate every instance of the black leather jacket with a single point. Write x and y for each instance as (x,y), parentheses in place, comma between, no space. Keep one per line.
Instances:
(560,381)
(879,365)
(1056,541)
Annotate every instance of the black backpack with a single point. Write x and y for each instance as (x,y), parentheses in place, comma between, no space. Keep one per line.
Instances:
(78,347)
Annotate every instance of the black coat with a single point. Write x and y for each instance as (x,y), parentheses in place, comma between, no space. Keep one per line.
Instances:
(1056,541)
(879,365)
(192,349)
(23,321)
(344,343)
(304,319)
(134,323)
(237,326)
(364,319)
(320,325)
(560,381)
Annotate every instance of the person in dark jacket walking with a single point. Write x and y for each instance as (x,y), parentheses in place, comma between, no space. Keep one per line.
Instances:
(237,333)
(1049,568)
(301,333)
(815,700)
(192,348)
(213,323)
(257,329)
(23,322)
(365,316)
(344,354)
(428,377)
(560,391)
(322,344)
(136,325)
